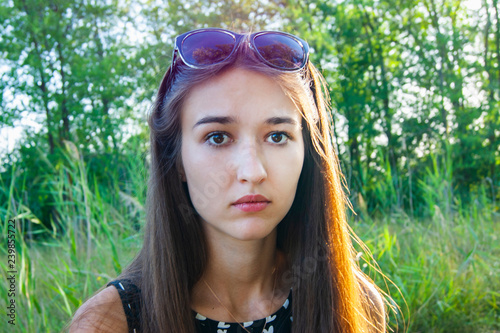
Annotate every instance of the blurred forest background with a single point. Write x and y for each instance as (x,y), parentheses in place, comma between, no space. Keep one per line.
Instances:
(415,89)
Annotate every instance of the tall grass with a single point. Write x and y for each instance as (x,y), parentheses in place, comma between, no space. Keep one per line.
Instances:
(93,232)
(443,270)
(446,267)
(446,270)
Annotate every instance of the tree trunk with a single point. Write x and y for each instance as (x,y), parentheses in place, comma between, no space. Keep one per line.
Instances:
(442,57)
(497,41)
(64,104)
(45,98)
(491,91)
(378,58)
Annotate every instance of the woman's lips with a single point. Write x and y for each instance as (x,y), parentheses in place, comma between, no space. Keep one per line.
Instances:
(252,206)
(252,203)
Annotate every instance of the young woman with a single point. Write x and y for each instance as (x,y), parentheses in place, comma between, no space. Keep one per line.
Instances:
(246,228)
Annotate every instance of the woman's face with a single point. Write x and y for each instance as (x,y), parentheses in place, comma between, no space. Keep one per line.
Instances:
(241,136)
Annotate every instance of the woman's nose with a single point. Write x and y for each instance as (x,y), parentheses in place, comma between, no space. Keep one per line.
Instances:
(250,165)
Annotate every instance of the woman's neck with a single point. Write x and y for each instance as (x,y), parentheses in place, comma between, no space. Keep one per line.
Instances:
(243,276)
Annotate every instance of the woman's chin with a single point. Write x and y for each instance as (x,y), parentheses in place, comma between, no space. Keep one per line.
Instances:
(252,234)
(249,230)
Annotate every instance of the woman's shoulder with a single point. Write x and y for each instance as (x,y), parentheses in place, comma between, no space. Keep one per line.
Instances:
(101,313)
(374,301)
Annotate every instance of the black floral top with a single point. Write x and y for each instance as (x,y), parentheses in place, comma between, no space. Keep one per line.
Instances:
(278,322)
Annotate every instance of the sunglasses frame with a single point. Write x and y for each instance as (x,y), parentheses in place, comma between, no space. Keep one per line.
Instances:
(179,40)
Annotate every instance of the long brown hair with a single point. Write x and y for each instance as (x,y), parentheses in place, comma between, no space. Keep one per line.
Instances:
(314,235)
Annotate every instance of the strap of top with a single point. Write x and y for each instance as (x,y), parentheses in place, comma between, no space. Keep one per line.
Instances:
(131,301)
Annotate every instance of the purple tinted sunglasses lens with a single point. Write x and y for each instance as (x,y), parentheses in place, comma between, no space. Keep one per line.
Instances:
(280,51)
(207,47)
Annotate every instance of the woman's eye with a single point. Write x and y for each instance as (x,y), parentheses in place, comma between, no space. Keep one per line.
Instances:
(217,139)
(279,137)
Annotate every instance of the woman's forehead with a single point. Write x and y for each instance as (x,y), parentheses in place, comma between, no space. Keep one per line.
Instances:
(238,96)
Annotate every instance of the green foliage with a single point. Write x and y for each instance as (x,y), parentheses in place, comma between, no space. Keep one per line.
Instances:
(409,81)
(71,66)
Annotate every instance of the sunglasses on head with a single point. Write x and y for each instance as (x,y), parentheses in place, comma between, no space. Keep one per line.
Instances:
(204,47)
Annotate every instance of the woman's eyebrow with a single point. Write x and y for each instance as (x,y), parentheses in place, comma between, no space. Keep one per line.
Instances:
(228,120)
(281,120)
(215,119)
